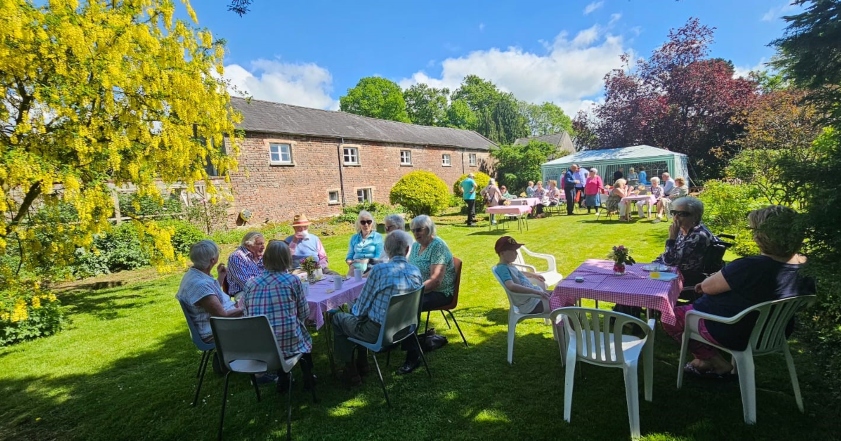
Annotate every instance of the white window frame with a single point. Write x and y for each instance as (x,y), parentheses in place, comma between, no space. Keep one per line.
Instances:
(446,160)
(337,200)
(405,157)
(360,198)
(352,153)
(471,159)
(279,144)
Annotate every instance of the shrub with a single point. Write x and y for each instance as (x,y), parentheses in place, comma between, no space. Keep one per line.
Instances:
(421,192)
(726,206)
(27,312)
(122,248)
(135,205)
(184,234)
(482,181)
(209,216)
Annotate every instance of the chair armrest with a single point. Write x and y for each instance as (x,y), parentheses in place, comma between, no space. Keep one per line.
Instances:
(651,323)
(693,317)
(525,266)
(548,257)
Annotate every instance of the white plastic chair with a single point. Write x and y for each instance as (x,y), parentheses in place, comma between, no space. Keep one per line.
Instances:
(595,336)
(768,337)
(516,316)
(247,345)
(551,274)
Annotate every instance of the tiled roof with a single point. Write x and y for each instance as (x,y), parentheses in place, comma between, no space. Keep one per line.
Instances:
(265,116)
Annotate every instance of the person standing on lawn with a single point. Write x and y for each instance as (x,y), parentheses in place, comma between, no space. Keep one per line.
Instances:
(569,183)
(468,190)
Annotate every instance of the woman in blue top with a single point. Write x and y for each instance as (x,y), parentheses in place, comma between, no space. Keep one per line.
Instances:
(366,246)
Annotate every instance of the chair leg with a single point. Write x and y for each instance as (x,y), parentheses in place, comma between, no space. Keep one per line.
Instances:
(569,380)
(648,368)
(684,346)
(423,357)
(256,386)
(289,408)
(633,398)
(793,373)
(202,369)
(380,375)
(224,400)
(747,385)
(512,327)
(445,319)
(201,363)
(426,328)
(457,327)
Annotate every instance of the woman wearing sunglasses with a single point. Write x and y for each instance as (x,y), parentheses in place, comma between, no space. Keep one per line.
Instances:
(366,246)
(688,239)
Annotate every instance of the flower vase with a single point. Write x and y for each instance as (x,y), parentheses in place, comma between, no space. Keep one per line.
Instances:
(619,269)
(311,277)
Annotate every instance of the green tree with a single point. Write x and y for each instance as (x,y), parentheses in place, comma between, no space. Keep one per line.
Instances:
(517,165)
(545,119)
(426,105)
(98,93)
(498,115)
(421,192)
(461,116)
(376,97)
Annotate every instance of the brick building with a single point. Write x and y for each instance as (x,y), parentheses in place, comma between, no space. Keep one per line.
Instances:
(297,159)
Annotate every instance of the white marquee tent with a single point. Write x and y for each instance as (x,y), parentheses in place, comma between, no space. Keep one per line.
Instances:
(654,160)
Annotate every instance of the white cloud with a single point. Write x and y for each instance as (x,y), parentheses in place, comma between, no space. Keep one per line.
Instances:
(778,11)
(743,71)
(592,7)
(481,27)
(569,74)
(303,84)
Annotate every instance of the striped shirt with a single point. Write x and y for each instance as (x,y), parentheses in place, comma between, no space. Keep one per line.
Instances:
(309,246)
(196,285)
(397,276)
(241,269)
(280,297)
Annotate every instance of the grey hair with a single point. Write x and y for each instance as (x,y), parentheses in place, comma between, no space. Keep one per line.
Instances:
(396,243)
(202,254)
(277,256)
(619,182)
(365,214)
(396,220)
(693,205)
(666,174)
(424,221)
(594,170)
(655,180)
(251,237)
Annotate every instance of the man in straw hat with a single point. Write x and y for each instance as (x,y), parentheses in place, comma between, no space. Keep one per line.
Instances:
(302,244)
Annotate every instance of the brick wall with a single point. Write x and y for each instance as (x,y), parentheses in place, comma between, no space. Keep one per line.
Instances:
(275,192)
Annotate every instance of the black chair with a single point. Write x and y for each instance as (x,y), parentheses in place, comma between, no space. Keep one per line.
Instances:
(713,262)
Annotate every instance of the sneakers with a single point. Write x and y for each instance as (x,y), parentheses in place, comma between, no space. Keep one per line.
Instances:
(408,367)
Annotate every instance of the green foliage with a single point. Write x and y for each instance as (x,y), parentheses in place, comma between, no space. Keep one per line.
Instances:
(545,119)
(726,206)
(121,248)
(497,113)
(137,205)
(426,105)
(27,312)
(421,192)
(461,116)
(517,165)
(184,235)
(376,97)
(377,209)
(209,216)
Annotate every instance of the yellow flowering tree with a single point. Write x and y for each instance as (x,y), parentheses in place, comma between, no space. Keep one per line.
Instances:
(97,94)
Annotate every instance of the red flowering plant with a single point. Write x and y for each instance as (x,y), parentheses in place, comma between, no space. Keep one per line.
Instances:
(621,256)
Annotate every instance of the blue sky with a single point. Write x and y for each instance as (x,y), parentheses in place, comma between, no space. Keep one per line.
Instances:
(309,53)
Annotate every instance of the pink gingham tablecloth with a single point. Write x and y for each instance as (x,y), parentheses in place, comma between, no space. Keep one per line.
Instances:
(640,198)
(531,202)
(632,289)
(322,297)
(517,210)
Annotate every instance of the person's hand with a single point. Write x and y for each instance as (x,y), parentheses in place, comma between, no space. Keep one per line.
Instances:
(221,270)
(673,229)
(577,181)
(698,289)
(538,277)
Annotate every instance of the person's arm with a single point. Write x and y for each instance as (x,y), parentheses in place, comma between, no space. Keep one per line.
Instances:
(713,285)
(322,255)
(378,246)
(351,249)
(436,276)
(520,289)
(236,275)
(222,273)
(214,307)
(302,304)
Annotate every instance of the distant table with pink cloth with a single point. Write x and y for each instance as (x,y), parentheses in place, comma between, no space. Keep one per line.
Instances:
(323,297)
(531,202)
(641,199)
(632,289)
(519,211)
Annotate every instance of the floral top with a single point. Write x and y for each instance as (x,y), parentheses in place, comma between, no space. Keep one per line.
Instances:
(437,253)
(554,194)
(539,193)
(657,192)
(687,251)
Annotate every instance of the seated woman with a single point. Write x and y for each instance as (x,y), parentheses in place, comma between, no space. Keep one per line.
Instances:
(633,177)
(278,295)
(615,196)
(394,222)
(366,246)
(743,283)
(433,257)
(505,194)
(655,190)
(688,240)
(680,190)
(592,190)
(520,282)
(540,193)
(553,193)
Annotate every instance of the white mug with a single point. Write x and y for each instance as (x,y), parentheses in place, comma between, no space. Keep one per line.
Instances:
(337,282)
(357,274)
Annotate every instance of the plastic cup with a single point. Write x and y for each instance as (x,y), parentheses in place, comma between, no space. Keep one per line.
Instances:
(357,274)
(337,282)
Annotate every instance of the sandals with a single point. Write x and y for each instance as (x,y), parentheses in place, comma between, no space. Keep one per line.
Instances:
(691,370)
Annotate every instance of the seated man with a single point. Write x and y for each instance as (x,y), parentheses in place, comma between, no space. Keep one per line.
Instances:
(519,282)
(397,276)
(201,294)
(246,262)
(302,244)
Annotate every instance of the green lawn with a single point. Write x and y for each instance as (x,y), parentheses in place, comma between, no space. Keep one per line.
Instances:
(124,366)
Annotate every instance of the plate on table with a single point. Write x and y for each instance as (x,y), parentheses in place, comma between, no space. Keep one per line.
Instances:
(655,267)
(665,277)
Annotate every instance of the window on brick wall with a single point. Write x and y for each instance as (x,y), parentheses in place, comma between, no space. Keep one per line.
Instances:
(280,153)
(333,197)
(405,157)
(364,195)
(351,155)
(471,159)
(445,160)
